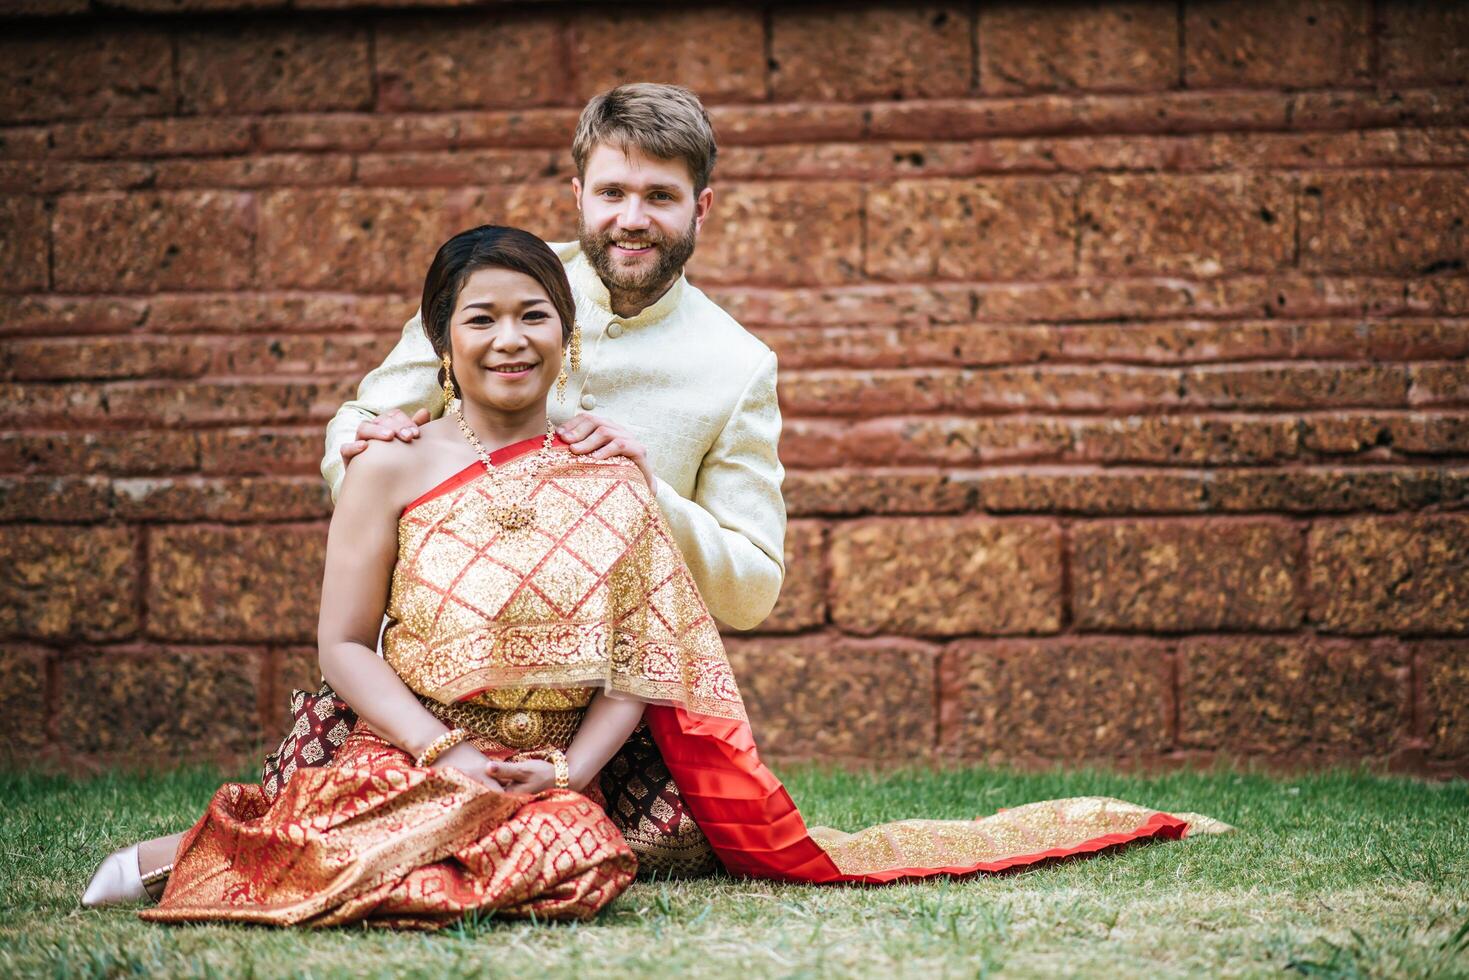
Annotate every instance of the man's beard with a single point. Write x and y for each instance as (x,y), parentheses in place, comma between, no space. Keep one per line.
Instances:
(671,254)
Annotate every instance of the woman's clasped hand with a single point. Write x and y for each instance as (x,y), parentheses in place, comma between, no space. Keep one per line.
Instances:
(524,776)
(473,763)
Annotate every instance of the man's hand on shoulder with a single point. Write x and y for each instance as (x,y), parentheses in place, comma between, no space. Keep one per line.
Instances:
(386,427)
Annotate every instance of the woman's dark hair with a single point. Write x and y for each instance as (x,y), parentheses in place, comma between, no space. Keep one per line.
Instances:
(490,247)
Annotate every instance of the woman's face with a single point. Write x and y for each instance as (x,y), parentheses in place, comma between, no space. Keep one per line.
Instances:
(505,338)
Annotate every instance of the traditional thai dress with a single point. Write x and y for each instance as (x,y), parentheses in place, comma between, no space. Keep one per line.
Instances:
(509,632)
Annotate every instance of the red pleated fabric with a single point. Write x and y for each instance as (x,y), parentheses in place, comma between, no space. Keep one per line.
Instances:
(757,832)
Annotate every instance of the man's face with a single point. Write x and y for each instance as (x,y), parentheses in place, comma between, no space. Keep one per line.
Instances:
(639,217)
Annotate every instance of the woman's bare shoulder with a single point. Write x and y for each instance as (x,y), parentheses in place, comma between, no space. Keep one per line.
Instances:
(399,471)
(385,460)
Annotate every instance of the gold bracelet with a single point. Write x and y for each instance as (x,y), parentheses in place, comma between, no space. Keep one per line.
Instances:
(563,769)
(439,746)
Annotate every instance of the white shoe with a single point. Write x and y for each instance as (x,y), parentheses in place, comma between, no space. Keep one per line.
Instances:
(116,880)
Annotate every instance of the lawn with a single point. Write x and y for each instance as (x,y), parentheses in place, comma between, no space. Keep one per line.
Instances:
(1335,874)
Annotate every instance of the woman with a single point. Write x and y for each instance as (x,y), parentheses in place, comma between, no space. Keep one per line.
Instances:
(532,595)
(442,800)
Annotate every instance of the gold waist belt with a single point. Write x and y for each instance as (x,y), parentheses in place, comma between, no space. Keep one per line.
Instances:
(515,728)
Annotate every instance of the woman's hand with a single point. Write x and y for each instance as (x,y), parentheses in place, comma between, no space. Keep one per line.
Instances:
(473,763)
(590,434)
(530,776)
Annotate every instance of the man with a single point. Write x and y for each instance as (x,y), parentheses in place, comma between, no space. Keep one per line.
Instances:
(667,377)
(674,382)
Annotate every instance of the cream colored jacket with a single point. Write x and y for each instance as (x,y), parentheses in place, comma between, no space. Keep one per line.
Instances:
(691,384)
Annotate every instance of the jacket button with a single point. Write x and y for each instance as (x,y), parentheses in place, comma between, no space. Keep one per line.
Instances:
(614,330)
(588,402)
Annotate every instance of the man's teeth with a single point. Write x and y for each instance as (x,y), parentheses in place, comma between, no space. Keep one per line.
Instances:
(634,245)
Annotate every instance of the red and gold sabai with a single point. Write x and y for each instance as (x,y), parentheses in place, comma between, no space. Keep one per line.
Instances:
(594,594)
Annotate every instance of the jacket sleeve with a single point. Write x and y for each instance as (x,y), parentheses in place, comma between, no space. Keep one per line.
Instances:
(408,381)
(732,533)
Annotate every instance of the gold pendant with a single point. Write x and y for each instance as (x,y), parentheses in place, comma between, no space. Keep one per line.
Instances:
(515,517)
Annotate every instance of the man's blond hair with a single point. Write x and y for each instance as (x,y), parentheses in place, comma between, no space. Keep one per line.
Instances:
(664,121)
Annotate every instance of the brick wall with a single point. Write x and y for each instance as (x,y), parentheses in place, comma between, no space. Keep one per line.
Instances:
(1123,352)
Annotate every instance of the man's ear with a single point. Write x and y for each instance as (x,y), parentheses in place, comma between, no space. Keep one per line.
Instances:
(576,191)
(701,208)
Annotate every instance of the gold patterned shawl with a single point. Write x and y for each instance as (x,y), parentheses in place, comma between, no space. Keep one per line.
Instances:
(595,594)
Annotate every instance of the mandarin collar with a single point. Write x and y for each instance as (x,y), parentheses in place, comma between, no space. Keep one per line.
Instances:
(584,280)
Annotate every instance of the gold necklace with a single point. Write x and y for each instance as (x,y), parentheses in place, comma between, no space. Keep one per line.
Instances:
(518,514)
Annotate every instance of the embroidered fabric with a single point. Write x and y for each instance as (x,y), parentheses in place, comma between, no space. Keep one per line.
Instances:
(370,838)
(595,595)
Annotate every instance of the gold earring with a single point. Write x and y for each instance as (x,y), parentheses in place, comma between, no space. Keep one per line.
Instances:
(576,347)
(561,380)
(449,393)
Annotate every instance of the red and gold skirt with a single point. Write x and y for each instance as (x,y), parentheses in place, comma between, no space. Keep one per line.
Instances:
(370,838)
(636,789)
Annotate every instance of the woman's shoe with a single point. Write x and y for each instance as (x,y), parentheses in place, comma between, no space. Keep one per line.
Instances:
(116,880)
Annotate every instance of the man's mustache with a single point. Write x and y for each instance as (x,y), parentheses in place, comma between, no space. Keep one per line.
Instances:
(652,239)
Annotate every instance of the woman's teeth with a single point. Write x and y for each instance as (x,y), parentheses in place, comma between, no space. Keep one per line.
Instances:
(511,368)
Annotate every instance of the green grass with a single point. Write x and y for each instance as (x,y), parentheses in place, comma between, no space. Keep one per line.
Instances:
(1338,874)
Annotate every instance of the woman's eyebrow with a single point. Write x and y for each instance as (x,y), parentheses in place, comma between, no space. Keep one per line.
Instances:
(490,304)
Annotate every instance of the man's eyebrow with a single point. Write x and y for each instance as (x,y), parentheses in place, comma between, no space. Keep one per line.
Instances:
(610,184)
